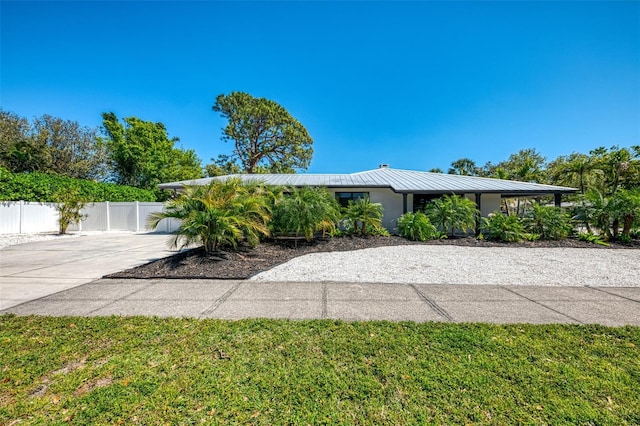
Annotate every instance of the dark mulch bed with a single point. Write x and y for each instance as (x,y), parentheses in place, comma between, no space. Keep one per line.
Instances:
(247,262)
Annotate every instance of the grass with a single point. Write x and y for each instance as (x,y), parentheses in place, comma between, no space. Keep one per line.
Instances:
(139,370)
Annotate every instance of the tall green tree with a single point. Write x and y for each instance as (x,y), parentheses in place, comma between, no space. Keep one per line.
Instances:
(464,167)
(620,168)
(18,150)
(143,155)
(73,150)
(266,137)
(51,145)
(574,170)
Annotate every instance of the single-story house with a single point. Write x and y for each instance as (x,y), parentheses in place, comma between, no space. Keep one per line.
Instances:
(400,191)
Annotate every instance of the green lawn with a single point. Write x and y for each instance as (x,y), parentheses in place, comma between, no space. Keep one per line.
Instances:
(184,371)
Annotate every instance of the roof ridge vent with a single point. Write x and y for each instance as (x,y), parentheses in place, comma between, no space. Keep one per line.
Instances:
(383,166)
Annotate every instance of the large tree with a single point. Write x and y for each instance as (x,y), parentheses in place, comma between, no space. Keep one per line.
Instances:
(51,145)
(73,150)
(143,155)
(464,167)
(267,138)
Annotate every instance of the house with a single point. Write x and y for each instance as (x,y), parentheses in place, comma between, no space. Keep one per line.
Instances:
(401,191)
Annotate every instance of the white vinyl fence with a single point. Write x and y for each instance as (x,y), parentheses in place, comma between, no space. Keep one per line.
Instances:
(20,217)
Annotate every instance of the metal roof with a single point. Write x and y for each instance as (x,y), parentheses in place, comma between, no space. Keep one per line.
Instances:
(401,181)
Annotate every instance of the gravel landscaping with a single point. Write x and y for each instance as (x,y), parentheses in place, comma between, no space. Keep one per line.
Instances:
(449,264)
(395,260)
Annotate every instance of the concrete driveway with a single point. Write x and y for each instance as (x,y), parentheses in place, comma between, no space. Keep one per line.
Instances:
(33,270)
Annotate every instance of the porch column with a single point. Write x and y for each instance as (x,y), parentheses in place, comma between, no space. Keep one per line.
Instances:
(558,198)
(479,205)
(404,203)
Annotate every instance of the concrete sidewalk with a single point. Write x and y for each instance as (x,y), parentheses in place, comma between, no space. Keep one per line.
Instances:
(612,306)
(33,270)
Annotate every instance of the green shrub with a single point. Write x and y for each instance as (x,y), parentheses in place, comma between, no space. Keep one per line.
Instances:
(41,187)
(452,212)
(305,211)
(590,237)
(502,227)
(550,223)
(218,214)
(364,218)
(417,227)
(69,206)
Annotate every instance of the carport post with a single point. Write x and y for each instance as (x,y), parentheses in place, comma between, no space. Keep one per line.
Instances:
(106,206)
(137,217)
(479,205)
(558,199)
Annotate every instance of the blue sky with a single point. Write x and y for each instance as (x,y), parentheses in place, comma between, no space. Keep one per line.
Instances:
(413,84)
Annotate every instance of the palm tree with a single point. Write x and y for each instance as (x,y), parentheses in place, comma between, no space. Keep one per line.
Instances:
(305,211)
(221,213)
(365,216)
(464,167)
(580,166)
(452,212)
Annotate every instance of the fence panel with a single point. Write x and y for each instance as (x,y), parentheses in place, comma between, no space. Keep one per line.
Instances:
(18,217)
(39,217)
(10,217)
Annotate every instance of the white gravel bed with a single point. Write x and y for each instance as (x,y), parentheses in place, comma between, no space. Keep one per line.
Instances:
(444,264)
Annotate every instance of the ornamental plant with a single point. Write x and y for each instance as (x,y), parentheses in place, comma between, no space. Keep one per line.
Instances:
(364,217)
(451,213)
(305,211)
(417,227)
(501,227)
(549,222)
(69,205)
(218,214)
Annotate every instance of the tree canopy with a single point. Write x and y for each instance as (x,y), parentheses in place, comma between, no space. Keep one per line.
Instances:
(143,155)
(266,137)
(51,145)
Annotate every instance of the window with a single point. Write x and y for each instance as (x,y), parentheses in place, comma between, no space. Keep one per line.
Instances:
(420,201)
(344,197)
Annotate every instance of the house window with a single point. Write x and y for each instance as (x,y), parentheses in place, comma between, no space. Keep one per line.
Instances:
(420,201)
(344,197)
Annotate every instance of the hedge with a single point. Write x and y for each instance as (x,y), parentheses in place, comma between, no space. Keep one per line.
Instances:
(41,187)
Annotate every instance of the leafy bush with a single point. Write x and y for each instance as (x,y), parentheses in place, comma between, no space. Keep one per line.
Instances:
(218,214)
(364,217)
(417,227)
(609,213)
(550,223)
(502,227)
(590,237)
(69,206)
(41,187)
(305,211)
(452,212)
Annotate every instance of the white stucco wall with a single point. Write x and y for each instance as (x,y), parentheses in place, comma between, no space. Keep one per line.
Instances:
(391,202)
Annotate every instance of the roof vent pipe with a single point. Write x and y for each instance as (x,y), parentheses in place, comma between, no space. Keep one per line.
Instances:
(383,166)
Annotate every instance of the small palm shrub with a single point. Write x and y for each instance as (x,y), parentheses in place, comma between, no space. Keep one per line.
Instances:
(610,213)
(364,218)
(550,223)
(417,227)
(303,212)
(452,212)
(69,206)
(218,214)
(500,227)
